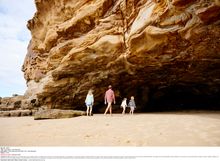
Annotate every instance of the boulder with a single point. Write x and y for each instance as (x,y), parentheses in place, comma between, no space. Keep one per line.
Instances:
(11,103)
(26,112)
(33,111)
(4,113)
(7,107)
(57,114)
(15,113)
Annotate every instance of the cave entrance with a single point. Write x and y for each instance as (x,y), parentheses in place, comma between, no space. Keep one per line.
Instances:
(183,98)
(168,99)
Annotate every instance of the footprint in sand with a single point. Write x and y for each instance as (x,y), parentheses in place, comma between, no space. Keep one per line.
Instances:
(87,136)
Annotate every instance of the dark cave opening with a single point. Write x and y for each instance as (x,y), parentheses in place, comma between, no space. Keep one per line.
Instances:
(173,98)
(177,98)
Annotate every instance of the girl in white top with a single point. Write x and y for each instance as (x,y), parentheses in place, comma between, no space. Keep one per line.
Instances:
(89,103)
(124,105)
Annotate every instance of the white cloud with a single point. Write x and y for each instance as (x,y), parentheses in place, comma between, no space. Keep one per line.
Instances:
(14,39)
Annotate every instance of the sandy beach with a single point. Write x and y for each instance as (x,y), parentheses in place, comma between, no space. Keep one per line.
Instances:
(149,129)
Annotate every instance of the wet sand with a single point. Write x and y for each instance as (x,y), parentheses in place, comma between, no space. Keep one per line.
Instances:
(149,129)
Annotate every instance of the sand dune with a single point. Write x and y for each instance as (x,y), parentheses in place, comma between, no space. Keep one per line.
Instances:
(149,129)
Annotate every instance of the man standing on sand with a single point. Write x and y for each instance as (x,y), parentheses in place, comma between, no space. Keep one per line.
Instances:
(109,98)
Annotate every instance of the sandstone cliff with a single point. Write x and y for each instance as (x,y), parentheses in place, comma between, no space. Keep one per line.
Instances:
(137,46)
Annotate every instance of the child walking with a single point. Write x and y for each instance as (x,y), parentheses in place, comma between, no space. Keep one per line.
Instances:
(132,105)
(124,105)
(89,103)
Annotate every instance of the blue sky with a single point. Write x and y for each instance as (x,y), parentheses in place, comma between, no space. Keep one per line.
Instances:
(14,39)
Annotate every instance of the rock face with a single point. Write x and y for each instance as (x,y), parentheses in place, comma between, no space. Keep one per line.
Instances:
(17,106)
(145,48)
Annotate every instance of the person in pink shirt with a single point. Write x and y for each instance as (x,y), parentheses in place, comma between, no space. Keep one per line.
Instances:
(109,98)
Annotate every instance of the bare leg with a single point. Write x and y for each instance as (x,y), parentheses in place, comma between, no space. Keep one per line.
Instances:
(87,111)
(110,110)
(132,110)
(123,112)
(106,110)
(108,107)
(90,112)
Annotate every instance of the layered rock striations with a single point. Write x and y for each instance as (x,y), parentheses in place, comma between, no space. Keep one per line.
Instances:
(17,106)
(137,46)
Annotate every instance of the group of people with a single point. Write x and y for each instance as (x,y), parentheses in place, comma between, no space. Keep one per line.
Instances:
(109,99)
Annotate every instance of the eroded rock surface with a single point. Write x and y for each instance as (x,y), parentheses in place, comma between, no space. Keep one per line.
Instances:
(57,114)
(18,105)
(134,45)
